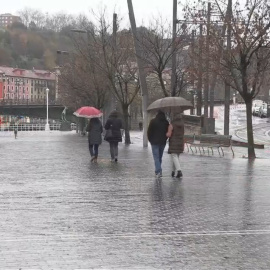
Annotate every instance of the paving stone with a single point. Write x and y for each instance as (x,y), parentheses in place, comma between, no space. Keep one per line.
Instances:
(60,211)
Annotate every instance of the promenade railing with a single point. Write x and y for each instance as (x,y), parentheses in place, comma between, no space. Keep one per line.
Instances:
(32,127)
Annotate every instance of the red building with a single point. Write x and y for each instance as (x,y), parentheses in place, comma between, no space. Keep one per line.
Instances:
(21,84)
(8,19)
(1,85)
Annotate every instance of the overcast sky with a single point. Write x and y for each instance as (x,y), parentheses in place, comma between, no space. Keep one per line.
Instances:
(143,9)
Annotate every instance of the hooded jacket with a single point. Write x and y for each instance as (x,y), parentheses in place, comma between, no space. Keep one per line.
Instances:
(157,129)
(115,124)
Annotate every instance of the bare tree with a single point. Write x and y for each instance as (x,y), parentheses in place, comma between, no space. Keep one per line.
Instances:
(156,44)
(80,85)
(57,22)
(244,66)
(114,57)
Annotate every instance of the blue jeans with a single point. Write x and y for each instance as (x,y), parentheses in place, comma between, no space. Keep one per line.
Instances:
(157,151)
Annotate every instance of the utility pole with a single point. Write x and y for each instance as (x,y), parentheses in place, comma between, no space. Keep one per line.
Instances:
(227,86)
(211,89)
(192,73)
(200,75)
(142,75)
(214,77)
(206,83)
(173,75)
(112,97)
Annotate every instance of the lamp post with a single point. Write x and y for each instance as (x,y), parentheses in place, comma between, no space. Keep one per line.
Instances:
(47,126)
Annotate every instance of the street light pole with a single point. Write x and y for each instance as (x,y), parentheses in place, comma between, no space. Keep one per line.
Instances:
(142,75)
(173,76)
(47,126)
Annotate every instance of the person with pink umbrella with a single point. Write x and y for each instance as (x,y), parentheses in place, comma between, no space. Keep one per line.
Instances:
(94,129)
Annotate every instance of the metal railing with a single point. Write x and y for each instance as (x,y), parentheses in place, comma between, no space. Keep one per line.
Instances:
(13,102)
(32,127)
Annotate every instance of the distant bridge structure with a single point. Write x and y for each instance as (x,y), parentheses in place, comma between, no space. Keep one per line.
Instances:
(33,109)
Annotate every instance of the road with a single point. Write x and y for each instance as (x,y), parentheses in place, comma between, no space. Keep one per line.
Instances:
(238,128)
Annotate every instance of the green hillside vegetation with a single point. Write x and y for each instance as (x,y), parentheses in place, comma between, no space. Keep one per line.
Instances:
(34,42)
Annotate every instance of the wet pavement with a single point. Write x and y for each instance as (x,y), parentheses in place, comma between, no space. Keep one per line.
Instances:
(60,211)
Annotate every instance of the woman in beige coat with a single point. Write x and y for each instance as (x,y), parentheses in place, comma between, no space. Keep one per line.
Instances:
(175,133)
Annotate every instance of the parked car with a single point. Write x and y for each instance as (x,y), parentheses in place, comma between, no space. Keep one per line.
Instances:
(256,104)
(255,110)
(263,110)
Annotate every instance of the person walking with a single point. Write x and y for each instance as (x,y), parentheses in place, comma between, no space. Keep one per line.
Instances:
(94,129)
(114,123)
(15,132)
(156,134)
(176,131)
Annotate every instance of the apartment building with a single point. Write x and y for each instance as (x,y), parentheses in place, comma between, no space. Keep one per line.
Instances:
(19,84)
(8,19)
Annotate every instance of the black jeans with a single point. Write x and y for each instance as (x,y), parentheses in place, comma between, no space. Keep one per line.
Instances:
(93,149)
(114,150)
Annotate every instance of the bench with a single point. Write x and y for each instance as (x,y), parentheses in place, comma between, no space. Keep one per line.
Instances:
(208,141)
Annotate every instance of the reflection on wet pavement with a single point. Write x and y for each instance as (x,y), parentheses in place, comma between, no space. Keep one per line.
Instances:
(60,211)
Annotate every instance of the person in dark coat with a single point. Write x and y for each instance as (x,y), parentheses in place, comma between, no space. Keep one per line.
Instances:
(176,131)
(15,132)
(114,123)
(94,129)
(156,134)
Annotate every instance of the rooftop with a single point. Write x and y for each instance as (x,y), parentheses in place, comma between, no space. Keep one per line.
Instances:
(24,73)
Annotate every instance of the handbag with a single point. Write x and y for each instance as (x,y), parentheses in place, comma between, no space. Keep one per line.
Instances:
(108,134)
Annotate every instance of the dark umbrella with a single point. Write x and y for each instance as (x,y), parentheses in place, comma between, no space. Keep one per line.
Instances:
(170,104)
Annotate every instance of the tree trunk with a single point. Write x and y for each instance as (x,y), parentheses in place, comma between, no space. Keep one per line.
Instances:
(251,150)
(126,124)
(162,85)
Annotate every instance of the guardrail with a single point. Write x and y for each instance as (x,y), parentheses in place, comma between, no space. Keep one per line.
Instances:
(14,102)
(32,127)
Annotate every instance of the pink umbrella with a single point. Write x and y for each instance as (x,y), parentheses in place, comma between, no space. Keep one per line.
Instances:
(88,112)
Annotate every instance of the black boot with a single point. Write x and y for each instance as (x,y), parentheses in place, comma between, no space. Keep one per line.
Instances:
(173,174)
(179,174)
